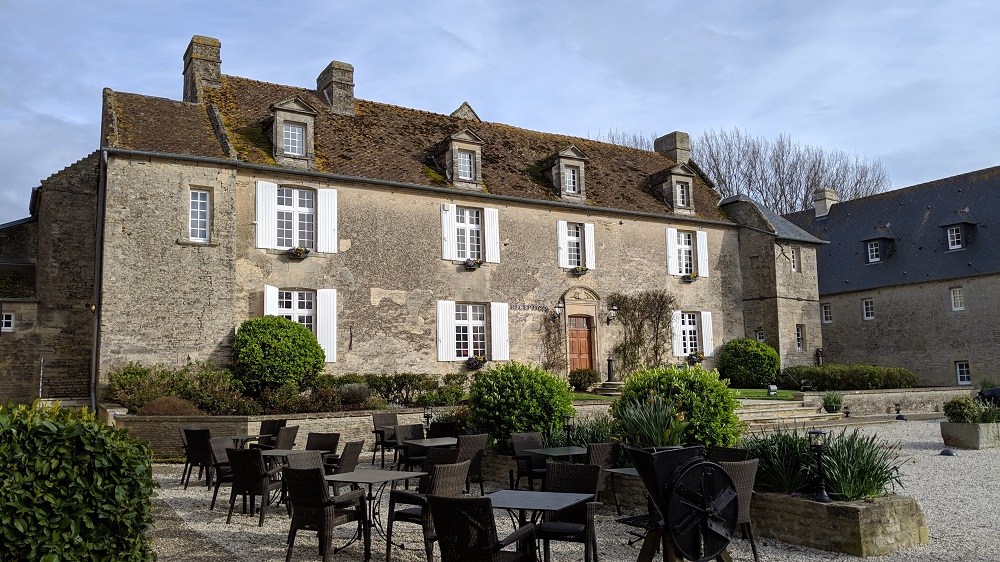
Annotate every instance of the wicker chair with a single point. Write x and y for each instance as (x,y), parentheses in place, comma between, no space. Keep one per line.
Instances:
(726,454)
(270,429)
(220,464)
(442,429)
(409,456)
(532,466)
(325,442)
(443,480)
(744,473)
(575,523)
(199,453)
(605,455)
(472,531)
(286,437)
(305,459)
(385,438)
(313,509)
(473,448)
(251,478)
(348,461)
(184,445)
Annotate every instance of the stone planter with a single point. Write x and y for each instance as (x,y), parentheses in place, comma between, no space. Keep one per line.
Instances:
(859,528)
(971,435)
(832,409)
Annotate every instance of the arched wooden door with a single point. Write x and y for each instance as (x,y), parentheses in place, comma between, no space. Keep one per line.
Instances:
(580,343)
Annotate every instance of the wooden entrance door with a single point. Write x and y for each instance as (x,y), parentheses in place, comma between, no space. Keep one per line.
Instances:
(580,347)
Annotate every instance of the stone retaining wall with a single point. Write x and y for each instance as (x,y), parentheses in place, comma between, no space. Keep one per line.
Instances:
(878,402)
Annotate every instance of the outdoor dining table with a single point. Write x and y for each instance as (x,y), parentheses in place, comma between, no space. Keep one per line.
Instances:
(241,440)
(433,442)
(558,452)
(537,502)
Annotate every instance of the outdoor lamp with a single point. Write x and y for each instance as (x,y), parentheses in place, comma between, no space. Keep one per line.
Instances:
(568,426)
(772,390)
(558,310)
(847,411)
(428,414)
(819,444)
(612,314)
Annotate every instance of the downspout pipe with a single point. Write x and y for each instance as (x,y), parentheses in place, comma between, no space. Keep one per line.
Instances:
(95,343)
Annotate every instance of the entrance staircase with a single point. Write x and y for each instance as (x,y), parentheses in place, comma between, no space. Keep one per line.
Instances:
(770,414)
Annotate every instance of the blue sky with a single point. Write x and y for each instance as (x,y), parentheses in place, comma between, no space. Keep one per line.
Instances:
(912,83)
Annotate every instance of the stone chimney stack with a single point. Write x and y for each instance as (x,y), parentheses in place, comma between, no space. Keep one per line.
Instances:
(336,84)
(676,146)
(823,199)
(202,67)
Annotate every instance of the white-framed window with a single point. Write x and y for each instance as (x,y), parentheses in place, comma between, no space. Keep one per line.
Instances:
(826,312)
(957,298)
(687,252)
(294,139)
(758,334)
(289,217)
(7,322)
(465,165)
(575,244)
(868,309)
(467,329)
(794,258)
(692,331)
(315,309)
(800,337)
(874,256)
(470,233)
(955,237)
(963,373)
(682,194)
(198,220)
(571,180)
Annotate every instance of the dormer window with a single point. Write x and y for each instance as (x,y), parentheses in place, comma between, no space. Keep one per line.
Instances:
(292,134)
(572,180)
(568,174)
(465,165)
(682,194)
(874,252)
(955,240)
(675,186)
(460,156)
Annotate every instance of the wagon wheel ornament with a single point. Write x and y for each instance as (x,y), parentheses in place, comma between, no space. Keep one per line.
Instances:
(702,511)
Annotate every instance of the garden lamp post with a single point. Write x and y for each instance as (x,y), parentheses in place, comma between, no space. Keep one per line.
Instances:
(818,441)
(428,414)
(568,427)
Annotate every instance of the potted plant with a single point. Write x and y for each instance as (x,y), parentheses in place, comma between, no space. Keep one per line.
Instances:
(298,253)
(972,424)
(832,401)
(579,270)
(475,362)
(695,357)
(689,278)
(472,264)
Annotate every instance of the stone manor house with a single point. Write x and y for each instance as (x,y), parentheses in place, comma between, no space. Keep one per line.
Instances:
(431,238)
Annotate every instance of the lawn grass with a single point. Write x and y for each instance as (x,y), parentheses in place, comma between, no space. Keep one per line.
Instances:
(589,396)
(761,394)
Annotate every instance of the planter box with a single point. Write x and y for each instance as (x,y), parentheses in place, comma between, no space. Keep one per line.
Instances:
(859,528)
(971,435)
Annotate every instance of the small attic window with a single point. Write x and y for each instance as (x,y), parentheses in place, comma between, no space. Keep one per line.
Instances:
(955,239)
(676,187)
(292,134)
(682,194)
(568,174)
(571,180)
(460,156)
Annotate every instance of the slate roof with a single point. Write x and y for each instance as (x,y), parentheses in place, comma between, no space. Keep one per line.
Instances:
(915,219)
(782,228)
(388,142)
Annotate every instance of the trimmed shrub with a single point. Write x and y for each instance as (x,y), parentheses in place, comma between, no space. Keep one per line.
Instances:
(169,406)
(514,397)
(850,377)
(448,394)
(72,488)
(211,390)
(134,385)
(965,409)
(582,379)
(270,351)
(749,363)
(354,393)
(706,402)
(400,388)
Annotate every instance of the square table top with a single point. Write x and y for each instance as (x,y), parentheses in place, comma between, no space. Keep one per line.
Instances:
(558,451)
(433,442)
(283,452)
(373,476)
(626,471)
(538,501)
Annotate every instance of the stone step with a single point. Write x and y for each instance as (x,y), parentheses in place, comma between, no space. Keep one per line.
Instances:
(776,413)
(795,420)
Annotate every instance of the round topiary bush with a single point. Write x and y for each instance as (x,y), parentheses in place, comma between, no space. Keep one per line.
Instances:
(749,363)
(706,402)
(582,379)
(72,488)
(514,398)
(270,352)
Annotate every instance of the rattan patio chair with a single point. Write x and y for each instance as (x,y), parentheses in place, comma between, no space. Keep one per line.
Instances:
(444,479)
(220,464)
(251,478)
(575,523)
(442,429)
(472,532)
(605,455)
(269,429)
(313,509)
(305,459)
(184,445)
(409,456)
(726,454)
(744,474)
(348,462)
(473,448)
(325,442)
(530,465)
(385,437)
(199,453)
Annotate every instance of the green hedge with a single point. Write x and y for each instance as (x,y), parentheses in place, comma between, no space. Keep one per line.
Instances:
(851,377)
(72,488)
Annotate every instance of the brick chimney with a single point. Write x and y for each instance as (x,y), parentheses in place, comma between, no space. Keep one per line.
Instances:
(676,146)
(823,199)
(202,67)
(336,85)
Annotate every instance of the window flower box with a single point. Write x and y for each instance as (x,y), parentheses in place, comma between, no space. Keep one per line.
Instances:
(298,253)
(689,278)
(471,264)
(475,362)
(579,271)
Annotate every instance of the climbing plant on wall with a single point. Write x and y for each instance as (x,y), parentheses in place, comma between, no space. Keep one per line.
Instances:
(645,324)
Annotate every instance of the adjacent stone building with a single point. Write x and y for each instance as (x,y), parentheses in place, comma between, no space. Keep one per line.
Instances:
(430,238)
(909,278)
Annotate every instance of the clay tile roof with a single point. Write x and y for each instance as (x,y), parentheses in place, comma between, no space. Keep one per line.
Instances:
(159,125)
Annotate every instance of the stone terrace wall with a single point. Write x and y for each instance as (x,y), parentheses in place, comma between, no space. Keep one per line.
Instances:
(877,402)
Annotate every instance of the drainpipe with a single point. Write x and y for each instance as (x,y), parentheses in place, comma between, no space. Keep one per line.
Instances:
(95,308)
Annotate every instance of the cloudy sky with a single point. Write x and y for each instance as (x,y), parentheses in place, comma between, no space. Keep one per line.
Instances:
(913,83)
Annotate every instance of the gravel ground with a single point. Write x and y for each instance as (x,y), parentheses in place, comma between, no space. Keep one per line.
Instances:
(960,496)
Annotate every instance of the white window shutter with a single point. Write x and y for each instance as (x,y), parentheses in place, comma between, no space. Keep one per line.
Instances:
(448,232)
(326,223)
(446,330)
(588,246)
(707,341)
(326,322)
(491,220)
(500,333)
(673,267)
(701,240)
(267,214)
(561,244)
(270,300)
(675,332)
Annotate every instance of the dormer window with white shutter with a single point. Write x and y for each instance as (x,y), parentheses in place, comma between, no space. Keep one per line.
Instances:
(292,134)
(460,156)
(568,174)
(291,216)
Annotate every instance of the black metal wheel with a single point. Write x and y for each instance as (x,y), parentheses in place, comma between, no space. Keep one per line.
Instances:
(702,511)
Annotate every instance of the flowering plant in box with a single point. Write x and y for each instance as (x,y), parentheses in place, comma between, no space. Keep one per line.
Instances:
(472,263)
(579,270)
(298,252)
(475,362)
